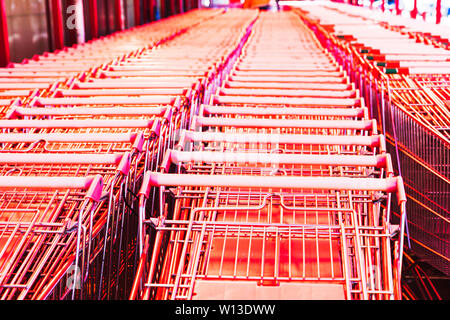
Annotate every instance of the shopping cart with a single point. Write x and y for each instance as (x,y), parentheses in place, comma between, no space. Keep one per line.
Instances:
(274,192)
(97,115)
(403,76)
(43,232)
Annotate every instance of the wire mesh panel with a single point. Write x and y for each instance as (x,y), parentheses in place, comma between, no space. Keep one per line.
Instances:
(40,229)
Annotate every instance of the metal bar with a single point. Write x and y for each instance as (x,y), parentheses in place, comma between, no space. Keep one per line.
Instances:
(172,8)
(137,12)
(106,100)
(328,183)
(140,270)
(68,137)
(119,17)
(194,136)
(204,156)
(117,111)
(329,102)
(398,11)
(20,158)
(75,124)
(93,18)
(120,92)
(414,10)
(438,11)
(285,123)
(58,26)
(151,9)
(348,112)
(45,182)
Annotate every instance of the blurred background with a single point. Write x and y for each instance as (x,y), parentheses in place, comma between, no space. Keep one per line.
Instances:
(32,24)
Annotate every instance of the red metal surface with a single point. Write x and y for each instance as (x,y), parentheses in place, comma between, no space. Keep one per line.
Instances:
(119,15)
(438,11)
(137,12)
(172,8)
(152,9)
(414,11)
(163,9)
(93,18)
(57,24)
(398,11)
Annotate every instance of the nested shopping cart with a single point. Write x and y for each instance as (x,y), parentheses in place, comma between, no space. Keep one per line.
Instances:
(274,193)
(43,222)
(40,72)
(108,125)
(264,175)
(250,192)
(45,155)
(403,74)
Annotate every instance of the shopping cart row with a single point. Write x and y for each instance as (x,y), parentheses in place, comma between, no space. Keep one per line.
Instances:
(433,33)
(400,51)
(72,159)
(280,188)
(411,109)
(39,76)
(399,57)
